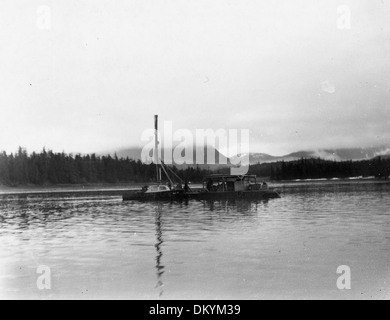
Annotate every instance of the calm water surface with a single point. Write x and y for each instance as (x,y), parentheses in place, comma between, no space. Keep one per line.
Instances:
(100,247)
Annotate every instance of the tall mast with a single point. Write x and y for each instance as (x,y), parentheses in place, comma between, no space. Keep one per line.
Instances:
(156,160)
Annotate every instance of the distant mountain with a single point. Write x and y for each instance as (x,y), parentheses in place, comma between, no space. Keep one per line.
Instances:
(131,153)
(353,154)
(220,160)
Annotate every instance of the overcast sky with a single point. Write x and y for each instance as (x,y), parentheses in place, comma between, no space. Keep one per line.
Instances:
(283,69)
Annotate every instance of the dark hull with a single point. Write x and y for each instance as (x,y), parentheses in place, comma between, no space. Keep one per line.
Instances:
(180,195)
(157,196)
(250,195)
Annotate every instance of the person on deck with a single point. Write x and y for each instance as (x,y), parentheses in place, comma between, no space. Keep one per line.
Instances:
(179,186)
(186,187)
(209,184)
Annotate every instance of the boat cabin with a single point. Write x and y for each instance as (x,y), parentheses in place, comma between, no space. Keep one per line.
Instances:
(232,183)
(156,188)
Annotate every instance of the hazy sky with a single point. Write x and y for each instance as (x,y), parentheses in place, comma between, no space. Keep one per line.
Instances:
(283,69)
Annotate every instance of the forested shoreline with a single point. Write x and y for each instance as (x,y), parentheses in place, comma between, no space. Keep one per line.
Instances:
(49,168)
(323,169)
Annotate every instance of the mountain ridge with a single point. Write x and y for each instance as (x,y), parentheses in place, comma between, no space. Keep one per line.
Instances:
(342,154)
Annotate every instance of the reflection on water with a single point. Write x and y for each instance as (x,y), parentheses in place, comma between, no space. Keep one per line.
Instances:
(159,243)
(100,247)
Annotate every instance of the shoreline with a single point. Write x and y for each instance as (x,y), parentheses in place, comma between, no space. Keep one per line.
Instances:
(59,188)
(118,188)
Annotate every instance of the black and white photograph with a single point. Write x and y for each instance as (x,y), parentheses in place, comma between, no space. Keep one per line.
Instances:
(194,151)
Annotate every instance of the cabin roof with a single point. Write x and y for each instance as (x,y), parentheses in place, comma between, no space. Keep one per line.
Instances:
(224,176)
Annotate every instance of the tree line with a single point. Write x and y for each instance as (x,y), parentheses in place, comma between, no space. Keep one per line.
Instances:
(323,169)
(47,167)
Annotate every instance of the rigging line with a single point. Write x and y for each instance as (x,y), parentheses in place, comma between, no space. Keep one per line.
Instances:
(180,180)
(166,173)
